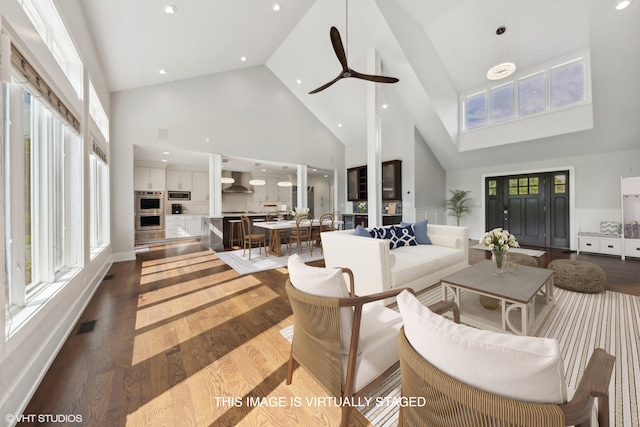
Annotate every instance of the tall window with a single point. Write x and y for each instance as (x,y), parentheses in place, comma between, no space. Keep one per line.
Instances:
(99,210)
(97,113)
(45,18)
(42,177)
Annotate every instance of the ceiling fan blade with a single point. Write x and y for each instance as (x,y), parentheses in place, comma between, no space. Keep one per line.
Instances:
(336,41)
(373,78)
(324,86)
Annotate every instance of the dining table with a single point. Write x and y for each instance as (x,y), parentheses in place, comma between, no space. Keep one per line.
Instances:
(275,229)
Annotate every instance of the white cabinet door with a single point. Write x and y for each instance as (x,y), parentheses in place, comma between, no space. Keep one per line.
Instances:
(193,225)
(200,191)
(260,191)
(148,179)
(179,180)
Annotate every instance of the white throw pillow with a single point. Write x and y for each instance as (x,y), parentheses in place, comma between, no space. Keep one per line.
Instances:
(325,282)
(517,367)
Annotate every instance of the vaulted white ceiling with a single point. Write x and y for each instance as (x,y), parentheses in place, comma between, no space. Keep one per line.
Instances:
(437,49)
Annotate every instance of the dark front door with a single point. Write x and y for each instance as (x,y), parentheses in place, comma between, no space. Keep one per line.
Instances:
(533,207)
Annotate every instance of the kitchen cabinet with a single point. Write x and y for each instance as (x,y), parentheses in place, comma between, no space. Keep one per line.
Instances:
(175,226)
(145,179)
(271,192)
(193,226)
(182,226)
(200,191)
(357,183)
(392,180)
(178,180)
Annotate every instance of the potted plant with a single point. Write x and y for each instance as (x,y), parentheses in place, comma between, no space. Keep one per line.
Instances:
(456,204)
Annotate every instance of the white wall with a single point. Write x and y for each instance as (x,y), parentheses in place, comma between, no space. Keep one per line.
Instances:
(245,113)
(45,324)
(429,184)
(596,185)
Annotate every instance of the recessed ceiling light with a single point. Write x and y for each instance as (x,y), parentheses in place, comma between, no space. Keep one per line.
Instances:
(299,81)
(171,9)
(165,160)
(622,4)
(339,125)
(166,152)
(276,7)
(244,58)
(385,106)
(162,71)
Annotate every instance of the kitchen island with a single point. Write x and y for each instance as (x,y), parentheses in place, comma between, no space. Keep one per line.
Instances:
(228,216)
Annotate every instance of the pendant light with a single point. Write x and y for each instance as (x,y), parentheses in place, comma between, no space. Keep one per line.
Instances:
(505,68)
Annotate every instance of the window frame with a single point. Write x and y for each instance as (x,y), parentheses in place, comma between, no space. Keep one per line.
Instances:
(546,69)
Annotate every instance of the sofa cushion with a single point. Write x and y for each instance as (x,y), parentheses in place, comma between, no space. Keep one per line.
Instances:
(361,231)
(420,231)
(404,236)
(326,282)
(386,232)
(517,367)
(415,262)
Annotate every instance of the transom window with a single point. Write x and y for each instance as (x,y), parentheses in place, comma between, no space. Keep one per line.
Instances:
(553,88)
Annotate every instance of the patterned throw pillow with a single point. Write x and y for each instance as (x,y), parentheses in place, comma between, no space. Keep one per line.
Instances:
(610,227)
(386,232)
(405,236)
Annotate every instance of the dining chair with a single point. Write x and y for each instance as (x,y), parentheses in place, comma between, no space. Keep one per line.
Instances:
(249,238)
(302,233)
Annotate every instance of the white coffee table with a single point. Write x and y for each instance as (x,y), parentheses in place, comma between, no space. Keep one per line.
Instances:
(528,289)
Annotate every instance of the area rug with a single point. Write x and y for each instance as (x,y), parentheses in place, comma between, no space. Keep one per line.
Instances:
(580,322)
(530,252)
(260,262)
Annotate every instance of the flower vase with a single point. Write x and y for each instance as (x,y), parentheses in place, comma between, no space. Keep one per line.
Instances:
(500,261)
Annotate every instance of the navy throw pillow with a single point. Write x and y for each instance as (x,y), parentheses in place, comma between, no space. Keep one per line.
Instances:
(405,236)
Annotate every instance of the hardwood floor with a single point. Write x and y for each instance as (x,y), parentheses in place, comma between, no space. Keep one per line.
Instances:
(180,339)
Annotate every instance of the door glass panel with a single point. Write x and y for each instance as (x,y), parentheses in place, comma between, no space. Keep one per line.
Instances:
(560,184)
(492,187)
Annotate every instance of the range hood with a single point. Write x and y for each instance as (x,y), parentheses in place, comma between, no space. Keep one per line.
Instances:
(241,184)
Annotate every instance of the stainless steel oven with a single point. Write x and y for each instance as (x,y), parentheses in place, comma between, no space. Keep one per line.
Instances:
(149,221)
(149,202)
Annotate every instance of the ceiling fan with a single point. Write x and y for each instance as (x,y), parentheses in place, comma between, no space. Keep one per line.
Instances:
(336,41)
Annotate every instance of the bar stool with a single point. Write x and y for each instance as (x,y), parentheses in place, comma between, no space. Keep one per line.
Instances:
(235,232)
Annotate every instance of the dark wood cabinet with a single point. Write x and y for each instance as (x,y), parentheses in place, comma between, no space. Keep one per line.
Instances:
(357,183)
(391,181)
(362,220)
(391,219)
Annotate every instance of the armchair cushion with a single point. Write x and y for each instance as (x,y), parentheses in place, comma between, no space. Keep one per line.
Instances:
(517,367)
(378,346)
(326,282)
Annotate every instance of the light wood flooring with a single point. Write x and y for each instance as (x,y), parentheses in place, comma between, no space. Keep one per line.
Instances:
(180,339)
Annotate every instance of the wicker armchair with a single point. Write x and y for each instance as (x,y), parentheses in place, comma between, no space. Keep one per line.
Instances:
(450,402)
(317,344)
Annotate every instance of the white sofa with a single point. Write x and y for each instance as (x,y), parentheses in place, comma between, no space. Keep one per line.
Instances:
(377,268)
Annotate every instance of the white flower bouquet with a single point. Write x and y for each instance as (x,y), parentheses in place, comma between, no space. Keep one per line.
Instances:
(299,212)
(499,240)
